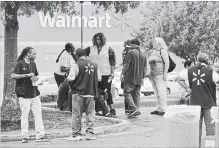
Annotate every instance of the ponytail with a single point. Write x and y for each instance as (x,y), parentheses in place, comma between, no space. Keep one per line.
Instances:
(57,60)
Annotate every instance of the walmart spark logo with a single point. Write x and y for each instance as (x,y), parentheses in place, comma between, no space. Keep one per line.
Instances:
(123,22)
(89,68)
(198,77)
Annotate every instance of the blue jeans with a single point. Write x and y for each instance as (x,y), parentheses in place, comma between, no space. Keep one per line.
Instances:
(132,96)
(80,104)
(160,91)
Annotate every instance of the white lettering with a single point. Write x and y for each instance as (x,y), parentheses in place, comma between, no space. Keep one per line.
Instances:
(107,21)
(92,22)
(74,18)
(60,22)
(46,20)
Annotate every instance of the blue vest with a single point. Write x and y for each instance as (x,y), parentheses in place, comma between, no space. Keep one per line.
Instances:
(202,86)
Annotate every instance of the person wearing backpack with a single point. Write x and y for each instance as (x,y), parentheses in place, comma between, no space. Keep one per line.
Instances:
(159,62)
(103,55)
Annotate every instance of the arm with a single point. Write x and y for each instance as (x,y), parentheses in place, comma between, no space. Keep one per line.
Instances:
(182,77)
(112,60)
(166,61)
(127,62)
(182,82)
(73,73)
(145,67)
(17,73)
(99,75)
(215,77)
(65,69)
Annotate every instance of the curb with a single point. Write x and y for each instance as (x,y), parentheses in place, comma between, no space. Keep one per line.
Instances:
(121,126)
(120,104)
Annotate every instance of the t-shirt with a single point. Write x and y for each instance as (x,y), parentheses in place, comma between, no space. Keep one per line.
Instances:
(24,87)
(65,60)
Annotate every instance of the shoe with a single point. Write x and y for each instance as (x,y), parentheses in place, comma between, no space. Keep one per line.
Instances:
(75,138)
(161,113)
(90,137)
(42,139)
(155,112)
(113,112)
(98,114)
(109,115)
(133,113)
(25,140)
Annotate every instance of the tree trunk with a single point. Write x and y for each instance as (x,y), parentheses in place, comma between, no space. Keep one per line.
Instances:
(11,32)
(10,110)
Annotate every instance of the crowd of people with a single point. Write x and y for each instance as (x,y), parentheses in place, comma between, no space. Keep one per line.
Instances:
(84,78)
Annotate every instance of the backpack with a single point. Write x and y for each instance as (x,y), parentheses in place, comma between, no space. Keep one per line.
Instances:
(172,64)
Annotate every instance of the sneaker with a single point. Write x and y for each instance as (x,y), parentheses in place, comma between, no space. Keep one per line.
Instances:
(42,139)
(155,112)
(109,115)
(25,140)
(161,113)
(113,112)
(98,114)
(90,137)
(75,138)
(136,115)
(133,113)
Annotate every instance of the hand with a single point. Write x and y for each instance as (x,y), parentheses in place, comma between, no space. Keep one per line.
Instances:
(188,89)
(30,75)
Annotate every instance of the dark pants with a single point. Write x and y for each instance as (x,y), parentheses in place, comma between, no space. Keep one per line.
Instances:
(100,105)
(59,79)
(132,96)
(80,104)
(63,96)
(105,85)
(210,127)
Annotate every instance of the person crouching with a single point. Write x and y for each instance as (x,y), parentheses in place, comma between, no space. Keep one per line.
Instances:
(84,75)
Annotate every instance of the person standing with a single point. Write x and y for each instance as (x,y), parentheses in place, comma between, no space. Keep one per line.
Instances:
(202,79)
(159,64)
(83,80)
(183,94)
(133,73)
(64,62)
(26,74)
(103,55)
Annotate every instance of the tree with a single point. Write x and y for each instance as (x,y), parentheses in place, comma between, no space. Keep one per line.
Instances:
(27,8)
(187,27)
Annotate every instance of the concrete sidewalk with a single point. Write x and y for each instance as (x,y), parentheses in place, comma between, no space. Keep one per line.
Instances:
(146,131)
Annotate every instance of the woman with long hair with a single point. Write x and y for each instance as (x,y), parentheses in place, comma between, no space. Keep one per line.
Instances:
(103,55)
(159,64)
(64,61)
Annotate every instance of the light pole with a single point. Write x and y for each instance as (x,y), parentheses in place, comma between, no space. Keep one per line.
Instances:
(82,25)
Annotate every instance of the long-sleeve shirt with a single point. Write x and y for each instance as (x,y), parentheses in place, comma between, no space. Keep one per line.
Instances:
(135,67)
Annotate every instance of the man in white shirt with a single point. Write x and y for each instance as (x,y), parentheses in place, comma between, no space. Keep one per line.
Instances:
(64,62)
